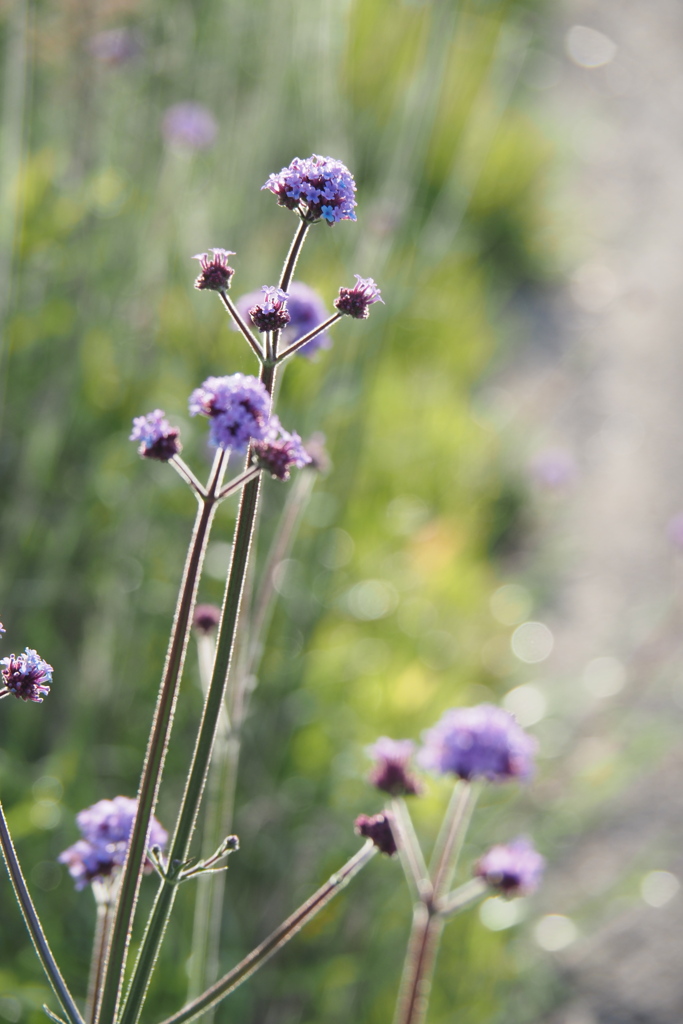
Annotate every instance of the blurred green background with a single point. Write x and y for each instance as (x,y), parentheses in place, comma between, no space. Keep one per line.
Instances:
(385,618)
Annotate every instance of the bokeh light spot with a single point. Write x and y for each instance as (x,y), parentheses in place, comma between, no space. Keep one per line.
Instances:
(554,932)
(510,604)
(659,887)
(589,48)
(532,642)
(527,703)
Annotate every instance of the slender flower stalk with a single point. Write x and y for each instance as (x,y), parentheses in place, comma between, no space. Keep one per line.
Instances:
(451,836)
(286,931)
(320,329)
(239,481)
(156,750)
(104,901)
(186,474)
(241,325)
(34,926)
(462,897)
(410,851)
(287,274)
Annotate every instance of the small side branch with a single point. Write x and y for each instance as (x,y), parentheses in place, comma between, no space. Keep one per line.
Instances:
(308,337)
(34,926)
(242,326)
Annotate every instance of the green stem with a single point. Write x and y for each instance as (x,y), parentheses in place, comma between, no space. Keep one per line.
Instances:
(462,897)
(410,851)
(287,930)
(452,835)
(286,276)
(34,926)
(156,752)
(189,808)
(242,326)
(418,969)
(300,342)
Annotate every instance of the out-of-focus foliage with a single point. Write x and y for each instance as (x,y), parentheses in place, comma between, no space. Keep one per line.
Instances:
(384,619)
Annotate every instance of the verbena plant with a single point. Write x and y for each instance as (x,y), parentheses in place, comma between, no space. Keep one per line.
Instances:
(121,840)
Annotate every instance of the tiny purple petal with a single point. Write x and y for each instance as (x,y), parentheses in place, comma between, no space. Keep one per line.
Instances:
(271,313)
(238,407)
(158,439)
(216,271)
(513,869)
(27,676)
(190,125)
(377,828)
(316,188)
(480,742)
(280,451)
(356,301)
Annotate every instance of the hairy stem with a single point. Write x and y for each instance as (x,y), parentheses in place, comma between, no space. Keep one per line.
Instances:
(156,752)
(34,926)
(242,326)
(418,968)
(300,342)
(287,930)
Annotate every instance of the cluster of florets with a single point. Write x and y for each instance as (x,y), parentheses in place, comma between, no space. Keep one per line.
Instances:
(158,439)
(216,271)
(238,408)
(481,742)
(513,869)
(279,451)
(26,676)
(271,313)
(316,188)
(206,618)
(105,828)
(391,773)
(306,310)
(378,828)
(356,301)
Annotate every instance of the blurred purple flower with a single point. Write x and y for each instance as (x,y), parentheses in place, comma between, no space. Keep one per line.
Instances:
(306,310)
(238,407)
(391,773)
(26,675)
(553,468)
(114,46)
(206,618)
(481,742)
(270,313)
(279,451)
(158,439)
(356,301)
(105,828)
(377,828)
(674,530)
(514,869)
(190,125)
(317,187)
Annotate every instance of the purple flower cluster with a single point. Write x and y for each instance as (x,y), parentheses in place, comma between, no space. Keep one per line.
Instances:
(206,618)
(306,310)
(481,742)
(190,126)
(391,773)
(318,187)
(356,301)
(158,439)
(377,828)
(216,271)
(105,828)
(238,408)
(26,675)
(514,869)
(279,451)
(271,313)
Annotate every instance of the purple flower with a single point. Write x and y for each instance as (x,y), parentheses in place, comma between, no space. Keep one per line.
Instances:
(280,450)
(158,439)
(377,828)
(391,773)
(206,618)
(190,125)
(114,46)
(105,828)
(2,628)
(674,530)
(514,869)
(27,676)
(480,742)
(216,272)
(356,301)
(318,187)
(306,310)
(238,407)
(271,313)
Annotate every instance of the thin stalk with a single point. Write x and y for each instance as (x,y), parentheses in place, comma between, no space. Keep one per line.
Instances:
(410,851)
(4,692)
(462,897)
(189,808)
(238,482)
(300,342)
(34,926)
(286,277)
(156,751)
(242,326)
(99,947)
(452,835)
(184,471)
(287,930)
(418,968)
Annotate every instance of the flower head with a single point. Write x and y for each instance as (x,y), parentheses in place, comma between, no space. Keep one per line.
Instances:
(377,828)
(216,272)
(158,439)
(317,188)
(356,301)
(391,773)
(238,407)
(306,310)
(271,313)
(190,126)
(279,451)
(481,742)
(206,618)
(105,828)
(514,869)
(27,676)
